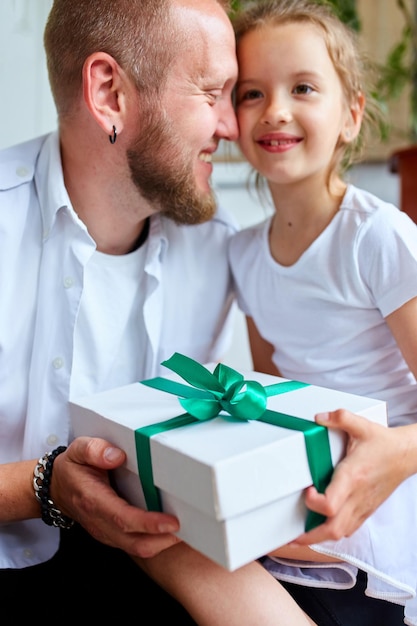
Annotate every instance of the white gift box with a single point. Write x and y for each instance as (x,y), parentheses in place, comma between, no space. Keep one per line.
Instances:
(236,487)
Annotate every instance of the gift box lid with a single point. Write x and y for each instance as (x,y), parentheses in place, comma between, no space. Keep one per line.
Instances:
(221,468)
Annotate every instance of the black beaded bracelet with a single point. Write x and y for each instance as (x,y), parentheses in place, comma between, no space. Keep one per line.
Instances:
(42,475)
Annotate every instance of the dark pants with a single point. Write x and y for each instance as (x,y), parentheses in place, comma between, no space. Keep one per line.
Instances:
(348,607)
(86,583)
(89,583)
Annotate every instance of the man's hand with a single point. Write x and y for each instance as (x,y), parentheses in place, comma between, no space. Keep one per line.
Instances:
(81,489)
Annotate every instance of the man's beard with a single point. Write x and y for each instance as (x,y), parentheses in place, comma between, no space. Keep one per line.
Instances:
(164,175)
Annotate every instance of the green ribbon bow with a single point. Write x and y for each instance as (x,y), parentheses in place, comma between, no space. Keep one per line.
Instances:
(225,393)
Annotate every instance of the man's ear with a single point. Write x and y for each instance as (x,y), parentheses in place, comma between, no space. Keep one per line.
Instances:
(354,119)
(104,91)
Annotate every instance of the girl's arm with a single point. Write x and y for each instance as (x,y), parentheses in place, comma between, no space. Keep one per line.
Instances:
(261,350)
(213,596)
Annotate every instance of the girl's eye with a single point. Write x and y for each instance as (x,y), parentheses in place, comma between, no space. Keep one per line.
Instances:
(303,89)
(252,94)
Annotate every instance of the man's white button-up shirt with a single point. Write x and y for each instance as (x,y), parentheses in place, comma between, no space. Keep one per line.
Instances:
(44,249)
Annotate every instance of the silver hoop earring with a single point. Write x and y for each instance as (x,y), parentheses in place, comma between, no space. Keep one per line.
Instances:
(113,137)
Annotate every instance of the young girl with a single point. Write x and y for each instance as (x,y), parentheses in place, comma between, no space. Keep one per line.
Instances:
(329,286)
(329,282)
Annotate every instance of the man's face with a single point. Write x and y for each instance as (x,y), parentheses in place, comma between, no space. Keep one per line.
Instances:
(170,160)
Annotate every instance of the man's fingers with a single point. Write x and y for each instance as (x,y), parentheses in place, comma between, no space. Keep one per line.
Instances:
(95,452)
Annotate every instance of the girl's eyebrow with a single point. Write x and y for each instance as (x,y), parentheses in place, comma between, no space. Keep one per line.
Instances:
(295,76)
(248,81)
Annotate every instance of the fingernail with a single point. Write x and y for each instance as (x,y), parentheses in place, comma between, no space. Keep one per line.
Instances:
(322,417)
(112,454)
(167,528)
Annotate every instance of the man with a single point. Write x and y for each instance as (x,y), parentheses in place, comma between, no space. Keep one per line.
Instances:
(112,258)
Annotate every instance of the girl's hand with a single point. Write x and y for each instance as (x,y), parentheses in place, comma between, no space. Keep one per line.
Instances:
(377,460)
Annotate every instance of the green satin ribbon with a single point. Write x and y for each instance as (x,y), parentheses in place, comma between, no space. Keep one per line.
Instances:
(209,395)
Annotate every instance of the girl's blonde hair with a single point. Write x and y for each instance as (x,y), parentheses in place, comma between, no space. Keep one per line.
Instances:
(355,72)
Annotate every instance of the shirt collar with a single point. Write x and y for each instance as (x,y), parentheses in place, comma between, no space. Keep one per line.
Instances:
(53,195)
(49,180)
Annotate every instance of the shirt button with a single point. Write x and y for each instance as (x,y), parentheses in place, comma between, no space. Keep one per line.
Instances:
(52,440)
(27,553)
(58,363)
(22,171)
(68,282)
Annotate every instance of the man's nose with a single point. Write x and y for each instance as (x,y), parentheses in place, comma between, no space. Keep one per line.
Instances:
(228,127)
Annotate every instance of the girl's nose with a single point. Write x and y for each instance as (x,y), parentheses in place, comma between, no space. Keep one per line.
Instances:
(276,113)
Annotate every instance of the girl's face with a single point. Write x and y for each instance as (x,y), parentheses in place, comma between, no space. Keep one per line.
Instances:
(289,102)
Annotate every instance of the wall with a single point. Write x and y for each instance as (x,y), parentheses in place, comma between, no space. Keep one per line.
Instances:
(26,105)
(382,23)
